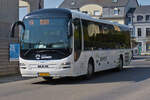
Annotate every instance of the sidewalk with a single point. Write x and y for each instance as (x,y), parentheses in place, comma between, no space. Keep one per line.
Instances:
(142,58)
(13,78)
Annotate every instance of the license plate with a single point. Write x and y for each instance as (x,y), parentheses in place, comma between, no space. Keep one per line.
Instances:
(43,74)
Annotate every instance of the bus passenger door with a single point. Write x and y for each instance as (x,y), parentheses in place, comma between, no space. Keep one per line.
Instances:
(77,47)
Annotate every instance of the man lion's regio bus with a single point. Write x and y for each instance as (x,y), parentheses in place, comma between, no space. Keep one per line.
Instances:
(65,43)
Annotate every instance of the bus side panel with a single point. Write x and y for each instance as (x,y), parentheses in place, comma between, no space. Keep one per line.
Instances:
(80,66)
(106,59)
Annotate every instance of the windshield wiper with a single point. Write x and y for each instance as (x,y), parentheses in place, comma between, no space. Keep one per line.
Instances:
(46,49)
(28,51)
(41,50)
(58,51)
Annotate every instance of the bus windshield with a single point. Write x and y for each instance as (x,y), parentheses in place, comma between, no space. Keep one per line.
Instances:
(46,33)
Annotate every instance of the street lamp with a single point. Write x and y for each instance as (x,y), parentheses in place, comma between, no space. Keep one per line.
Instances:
(40,7)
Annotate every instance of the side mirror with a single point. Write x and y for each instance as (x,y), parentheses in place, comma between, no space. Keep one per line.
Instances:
(70,29)
(13,27)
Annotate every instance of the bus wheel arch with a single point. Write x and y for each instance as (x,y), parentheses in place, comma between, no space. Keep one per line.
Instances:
(91,60)
(121,57)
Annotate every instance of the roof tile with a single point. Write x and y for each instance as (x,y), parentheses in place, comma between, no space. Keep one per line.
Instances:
(142,9)
(104,3)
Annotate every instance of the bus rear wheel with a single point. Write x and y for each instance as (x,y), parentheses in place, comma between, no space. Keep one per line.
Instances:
(120,65)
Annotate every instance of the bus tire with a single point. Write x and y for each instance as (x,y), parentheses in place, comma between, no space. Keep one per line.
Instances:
(90,70)
(48,78)
(120,65)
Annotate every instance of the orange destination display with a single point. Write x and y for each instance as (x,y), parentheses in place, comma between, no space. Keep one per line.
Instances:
(44,21)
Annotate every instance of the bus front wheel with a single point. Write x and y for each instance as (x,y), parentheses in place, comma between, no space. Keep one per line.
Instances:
(90,70)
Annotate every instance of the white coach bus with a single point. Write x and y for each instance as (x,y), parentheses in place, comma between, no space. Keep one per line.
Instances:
(65,43)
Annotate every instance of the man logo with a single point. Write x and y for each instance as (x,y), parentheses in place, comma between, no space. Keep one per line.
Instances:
(38,56)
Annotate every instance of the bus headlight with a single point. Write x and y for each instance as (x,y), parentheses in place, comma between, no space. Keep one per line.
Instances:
(22,66)
(66,65)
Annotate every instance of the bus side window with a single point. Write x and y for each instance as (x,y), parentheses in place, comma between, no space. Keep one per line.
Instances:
(107,39)
(77,34)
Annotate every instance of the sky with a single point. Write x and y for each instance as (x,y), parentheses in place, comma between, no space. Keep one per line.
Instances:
(56,3)
(52,3)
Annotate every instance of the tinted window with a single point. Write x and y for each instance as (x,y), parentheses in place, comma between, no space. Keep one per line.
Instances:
(124,38)
(77,39)
(105,36)
(107,39)
(115,37)
(46,36)
(91,31)
(49,33)
(87,41)
(77,35)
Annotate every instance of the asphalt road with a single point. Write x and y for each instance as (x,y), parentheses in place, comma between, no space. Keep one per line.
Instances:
(131,84)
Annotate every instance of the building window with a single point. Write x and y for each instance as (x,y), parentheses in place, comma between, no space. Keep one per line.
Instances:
(129,21)
(139,18)
(114,0)
(22,12)
(96,12)
(73,3)
(147,17)
(148,32)
(139,32)
(116,11)
(85,12)
(148,46)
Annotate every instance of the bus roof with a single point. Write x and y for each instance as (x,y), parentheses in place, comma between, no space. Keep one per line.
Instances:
(88,17)
(70,13)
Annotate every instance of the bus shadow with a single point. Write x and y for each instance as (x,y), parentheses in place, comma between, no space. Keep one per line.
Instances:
(135,74)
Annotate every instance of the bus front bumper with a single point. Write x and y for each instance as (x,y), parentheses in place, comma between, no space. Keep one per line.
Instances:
(67,72)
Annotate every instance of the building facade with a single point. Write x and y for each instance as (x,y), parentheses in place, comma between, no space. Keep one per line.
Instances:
(141,22)
(9,13)
(32,5)
(7,17)
(113,10)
